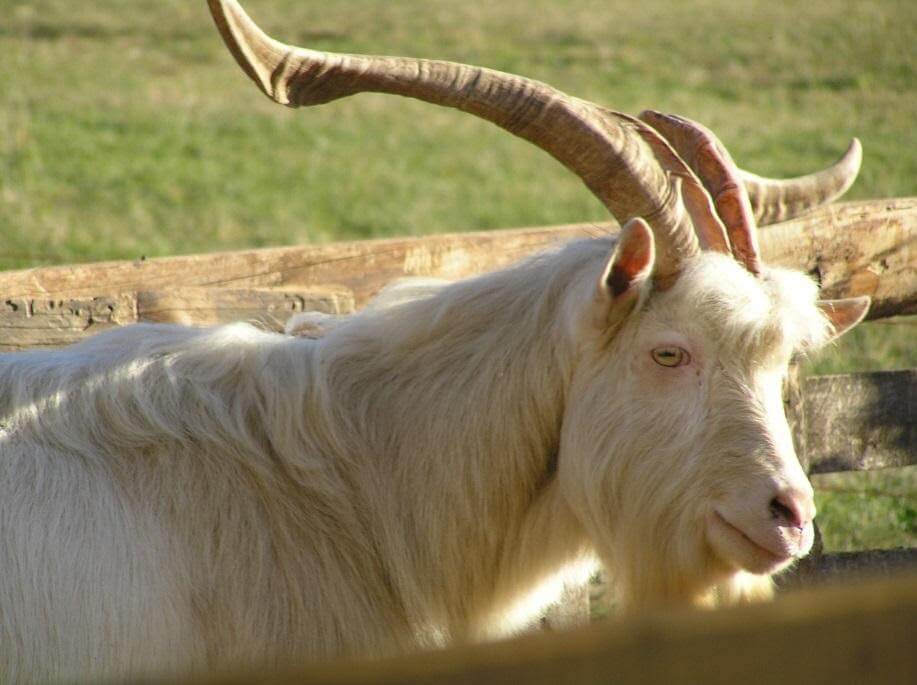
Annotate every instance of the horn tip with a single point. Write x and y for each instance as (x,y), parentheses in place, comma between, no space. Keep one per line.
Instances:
(253,50)
(854,153)
(848,166)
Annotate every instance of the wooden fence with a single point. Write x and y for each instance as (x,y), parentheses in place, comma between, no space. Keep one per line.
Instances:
(840,423)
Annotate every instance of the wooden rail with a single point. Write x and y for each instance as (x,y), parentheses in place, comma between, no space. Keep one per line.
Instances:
(35,322)
(853,248)
(859,421)
(854,634)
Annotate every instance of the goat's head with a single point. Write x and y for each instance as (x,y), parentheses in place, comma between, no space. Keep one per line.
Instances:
(675,454)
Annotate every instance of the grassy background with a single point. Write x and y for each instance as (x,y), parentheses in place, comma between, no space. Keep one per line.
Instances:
(126,129)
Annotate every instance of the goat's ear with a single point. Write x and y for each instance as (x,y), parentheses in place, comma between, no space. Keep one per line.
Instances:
(844,314)
(627,274)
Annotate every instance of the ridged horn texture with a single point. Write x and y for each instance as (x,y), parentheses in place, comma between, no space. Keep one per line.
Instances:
(701,150)
(607,150)
(774,200)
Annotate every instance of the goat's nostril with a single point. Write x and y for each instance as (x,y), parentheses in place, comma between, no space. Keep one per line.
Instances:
(787,511)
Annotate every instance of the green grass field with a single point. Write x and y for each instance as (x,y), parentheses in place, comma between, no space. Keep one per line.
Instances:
(126,129)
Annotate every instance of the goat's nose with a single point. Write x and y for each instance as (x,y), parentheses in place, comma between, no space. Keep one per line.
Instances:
(793,508)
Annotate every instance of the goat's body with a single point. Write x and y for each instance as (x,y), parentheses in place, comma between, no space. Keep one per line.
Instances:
(177,499)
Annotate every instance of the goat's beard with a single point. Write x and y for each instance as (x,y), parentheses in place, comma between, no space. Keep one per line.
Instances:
(665,561)
(651,538)
(658,562)
(644,508)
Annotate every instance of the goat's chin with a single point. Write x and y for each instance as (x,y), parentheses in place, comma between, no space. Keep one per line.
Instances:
(737,549)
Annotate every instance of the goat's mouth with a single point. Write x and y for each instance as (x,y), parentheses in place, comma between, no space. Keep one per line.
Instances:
(738,548)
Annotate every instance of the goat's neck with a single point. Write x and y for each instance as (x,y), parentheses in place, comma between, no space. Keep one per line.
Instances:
(455,404)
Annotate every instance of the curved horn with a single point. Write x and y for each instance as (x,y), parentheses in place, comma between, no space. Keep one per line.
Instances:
(605,149)
(774,200)
(708,226)
(710,159)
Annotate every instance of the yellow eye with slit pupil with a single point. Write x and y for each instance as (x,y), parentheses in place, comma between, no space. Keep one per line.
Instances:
(670,356)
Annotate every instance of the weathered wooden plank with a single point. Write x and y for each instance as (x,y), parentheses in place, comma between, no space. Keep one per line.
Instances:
(210,306)
(858,421)
(41,322)
(817,569)
(362,266)
(31,322)
(854,248)
(861,633)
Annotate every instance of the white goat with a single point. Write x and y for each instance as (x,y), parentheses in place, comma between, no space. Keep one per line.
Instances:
(174,500)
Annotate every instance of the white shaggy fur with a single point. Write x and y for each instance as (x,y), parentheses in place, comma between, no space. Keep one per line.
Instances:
(315,324)
(175,500)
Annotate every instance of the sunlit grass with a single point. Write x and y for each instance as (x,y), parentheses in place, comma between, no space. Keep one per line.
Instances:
(872,510)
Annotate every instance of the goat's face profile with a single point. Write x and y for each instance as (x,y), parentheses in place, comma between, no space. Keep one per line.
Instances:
(676,453)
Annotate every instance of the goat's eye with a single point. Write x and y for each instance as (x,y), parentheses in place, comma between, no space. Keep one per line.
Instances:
(670,356)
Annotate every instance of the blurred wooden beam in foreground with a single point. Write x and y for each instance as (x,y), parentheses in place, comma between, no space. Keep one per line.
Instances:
(861,633)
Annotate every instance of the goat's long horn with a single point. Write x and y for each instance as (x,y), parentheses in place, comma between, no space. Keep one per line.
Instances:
(605,149)
(709,158)
(774,200)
